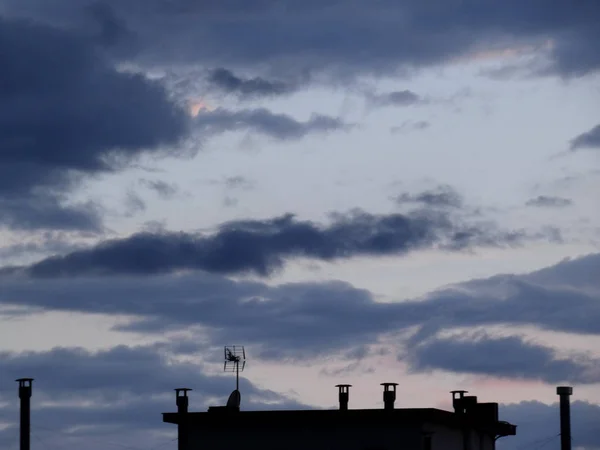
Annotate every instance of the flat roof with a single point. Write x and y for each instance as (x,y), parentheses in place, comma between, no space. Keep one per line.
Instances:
(223,418)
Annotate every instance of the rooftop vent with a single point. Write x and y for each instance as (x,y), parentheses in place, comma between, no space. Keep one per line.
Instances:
(343,395)
(389,395)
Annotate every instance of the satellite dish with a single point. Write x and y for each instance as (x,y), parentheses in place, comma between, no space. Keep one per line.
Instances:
(234,399)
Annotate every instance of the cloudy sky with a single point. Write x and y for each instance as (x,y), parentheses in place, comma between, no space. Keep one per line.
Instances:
(358,191)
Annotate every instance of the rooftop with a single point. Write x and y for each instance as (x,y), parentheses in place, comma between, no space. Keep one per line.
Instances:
(468,412)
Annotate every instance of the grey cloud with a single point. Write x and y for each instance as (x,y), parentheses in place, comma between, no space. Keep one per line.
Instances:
(263,246)
(355,367)
(44,243)
(442,196)
(366,37)
(263,121)
(162,188)
(410,126)
(238,182)
(301,320)
(66,113)
(37,210)
(396,98)
(134,204)
(235,182)
(550,202)
(308,319)
(589,139)
(507,357)
(250,87)
(230,202)
(580,272)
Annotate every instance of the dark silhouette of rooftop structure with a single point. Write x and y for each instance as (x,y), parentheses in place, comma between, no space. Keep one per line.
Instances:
(471,426)
(564,393)
(25,390)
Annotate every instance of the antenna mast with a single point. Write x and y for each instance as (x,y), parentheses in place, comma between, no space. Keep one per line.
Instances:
(235,361)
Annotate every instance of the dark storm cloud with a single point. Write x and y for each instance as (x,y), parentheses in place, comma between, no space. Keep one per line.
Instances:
(65,114)
(302,320)
(263,121)
(263,246)
(549,202)
(442,196)
(129,386)
(539,425)
(506,357)
(293,35)
(112,31)
(589,139)
(248,87)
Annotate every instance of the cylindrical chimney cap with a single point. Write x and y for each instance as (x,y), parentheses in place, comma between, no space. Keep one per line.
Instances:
(564,390)
(183,390)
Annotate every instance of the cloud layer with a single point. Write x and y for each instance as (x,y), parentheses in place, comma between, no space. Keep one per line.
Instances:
(248,87)
(263,121)
(507,357)
(587,140)
(263,246)
(307,319)
(299,36)
(66,113)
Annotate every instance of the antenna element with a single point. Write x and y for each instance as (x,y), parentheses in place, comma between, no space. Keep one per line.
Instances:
(235,361)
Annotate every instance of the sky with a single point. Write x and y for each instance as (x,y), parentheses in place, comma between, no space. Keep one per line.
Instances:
(356,191)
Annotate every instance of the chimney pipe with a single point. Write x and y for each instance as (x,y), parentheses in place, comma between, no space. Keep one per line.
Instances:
(25,396)
(457,401)
(389,395)
(182,400)
(564,392)
(343,395)
(182,408)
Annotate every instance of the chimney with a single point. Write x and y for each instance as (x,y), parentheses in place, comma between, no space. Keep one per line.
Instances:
(469,403)
(182,400)
(343,395)
(182,408)
(457,401)
(389,395)
(564,392)
(25,396)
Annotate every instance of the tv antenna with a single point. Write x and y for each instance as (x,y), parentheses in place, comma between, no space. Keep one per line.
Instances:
(235,361)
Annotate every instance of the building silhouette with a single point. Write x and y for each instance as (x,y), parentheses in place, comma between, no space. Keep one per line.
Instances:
(471,426)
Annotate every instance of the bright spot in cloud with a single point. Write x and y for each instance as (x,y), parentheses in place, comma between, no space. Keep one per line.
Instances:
(196,105)
(509,52)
